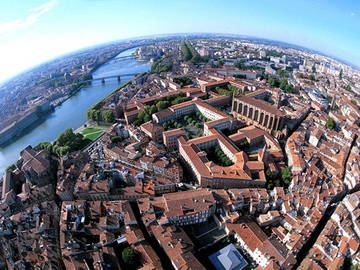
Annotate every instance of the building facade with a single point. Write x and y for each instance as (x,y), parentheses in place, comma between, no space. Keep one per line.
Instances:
(258,113)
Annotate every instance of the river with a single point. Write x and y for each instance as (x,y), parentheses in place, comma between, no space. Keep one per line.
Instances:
(72,113)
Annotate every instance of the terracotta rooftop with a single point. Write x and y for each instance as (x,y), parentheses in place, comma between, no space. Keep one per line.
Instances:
(260,104)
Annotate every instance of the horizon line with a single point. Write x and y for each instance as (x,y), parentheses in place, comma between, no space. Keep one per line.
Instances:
(333,57)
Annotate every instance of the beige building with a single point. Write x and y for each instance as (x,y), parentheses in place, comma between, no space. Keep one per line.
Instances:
(258,113)
(170,137)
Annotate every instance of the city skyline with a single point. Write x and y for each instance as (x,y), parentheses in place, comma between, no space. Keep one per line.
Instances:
(31,33)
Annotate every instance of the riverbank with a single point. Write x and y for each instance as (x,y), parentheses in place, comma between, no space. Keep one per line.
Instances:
(31,120)
(72,112)
(25,123)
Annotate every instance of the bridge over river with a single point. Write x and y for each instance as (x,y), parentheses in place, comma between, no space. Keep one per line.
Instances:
(72,112)
(117,76)
(118,59)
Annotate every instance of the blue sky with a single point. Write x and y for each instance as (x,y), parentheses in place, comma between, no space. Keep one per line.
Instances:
(34,31)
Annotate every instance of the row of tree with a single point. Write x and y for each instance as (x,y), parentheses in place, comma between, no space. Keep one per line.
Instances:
(219,157)
(161,65)
(159,105)
(67,142)
(101,115)
(188,53)
(283,84)
(183,81)
(229,90)
(195,120)
(241,65)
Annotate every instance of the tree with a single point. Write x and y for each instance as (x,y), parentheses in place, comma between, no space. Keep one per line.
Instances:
(161,66)
(357,122)
(147,118)
(274,82)
(115,139)
(62,150)
(166,125)
(107,116)
(240,65)
(68,141)
(289,88)
(330,123)
(312,77)
(137,122)
(10,167)
(46,145)
(153,109)
(162,104)
(240,76)
(205,58)
(129,256)
(196,58)
(283,84)
(228,162)
(185,52)
(348,88)
(282,73)
(198,133)
(286,176)
(341,74)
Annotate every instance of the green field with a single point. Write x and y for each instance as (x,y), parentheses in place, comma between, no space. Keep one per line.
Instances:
(92,133)
(90,130)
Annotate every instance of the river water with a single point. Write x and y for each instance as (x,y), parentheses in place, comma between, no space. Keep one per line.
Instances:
(72,113)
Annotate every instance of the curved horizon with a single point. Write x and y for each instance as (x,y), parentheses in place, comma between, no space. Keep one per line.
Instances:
(176,35)
(31,32)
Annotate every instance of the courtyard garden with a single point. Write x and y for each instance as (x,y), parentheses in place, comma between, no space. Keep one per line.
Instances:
(193,124)
(218,156)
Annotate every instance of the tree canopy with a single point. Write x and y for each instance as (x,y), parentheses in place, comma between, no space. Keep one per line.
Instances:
(161,66)
(68,141)
(115,139)
(149,110)
(229,90)
(183,81)
(129,256)
(101,115)
(188,53)
(283,84)
(286,176)
(330,123)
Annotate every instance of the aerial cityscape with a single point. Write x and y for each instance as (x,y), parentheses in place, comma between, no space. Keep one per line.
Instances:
(183,151)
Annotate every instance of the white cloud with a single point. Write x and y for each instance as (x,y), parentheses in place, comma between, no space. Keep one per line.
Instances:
(33,17)
(352,14)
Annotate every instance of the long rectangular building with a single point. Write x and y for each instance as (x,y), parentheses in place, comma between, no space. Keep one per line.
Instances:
(258,112)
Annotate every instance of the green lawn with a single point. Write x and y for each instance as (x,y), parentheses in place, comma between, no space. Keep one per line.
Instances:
(92,133)
(103,127)
(94,136)
(89,130)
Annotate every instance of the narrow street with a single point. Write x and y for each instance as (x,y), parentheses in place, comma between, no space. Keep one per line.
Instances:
(323,221)
(164,259)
